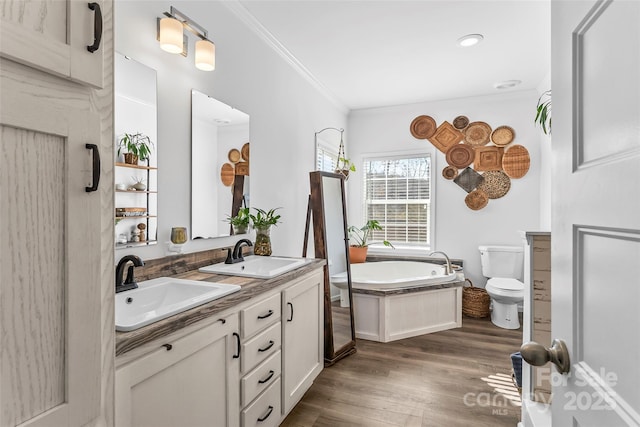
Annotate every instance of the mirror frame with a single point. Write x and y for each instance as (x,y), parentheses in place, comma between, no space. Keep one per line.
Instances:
(320,233)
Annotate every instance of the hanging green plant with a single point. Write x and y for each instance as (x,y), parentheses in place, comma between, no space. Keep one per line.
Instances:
(543,112)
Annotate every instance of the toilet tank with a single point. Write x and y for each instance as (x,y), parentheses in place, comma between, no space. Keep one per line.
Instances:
(502,261)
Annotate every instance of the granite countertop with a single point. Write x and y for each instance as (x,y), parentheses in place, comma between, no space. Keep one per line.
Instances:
(250,287)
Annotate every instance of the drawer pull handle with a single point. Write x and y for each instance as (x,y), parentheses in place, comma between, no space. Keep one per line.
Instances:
(290,319)
(167,346)
(237,356)
(267,415)
(271,343)
(223,321)
(266,315)
(271,373)
(96,167)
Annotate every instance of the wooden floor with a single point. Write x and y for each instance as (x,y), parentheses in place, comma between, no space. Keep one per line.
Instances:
(439,379)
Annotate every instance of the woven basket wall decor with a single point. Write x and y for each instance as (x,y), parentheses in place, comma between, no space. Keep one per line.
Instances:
(475,301)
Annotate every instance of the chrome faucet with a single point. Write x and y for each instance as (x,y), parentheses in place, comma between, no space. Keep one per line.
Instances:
(448,268)
(235,255)
(129,283)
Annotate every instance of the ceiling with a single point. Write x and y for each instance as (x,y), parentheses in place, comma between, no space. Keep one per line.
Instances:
(374,53)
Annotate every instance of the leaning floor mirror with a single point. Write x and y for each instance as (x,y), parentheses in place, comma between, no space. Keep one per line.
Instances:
(331,240)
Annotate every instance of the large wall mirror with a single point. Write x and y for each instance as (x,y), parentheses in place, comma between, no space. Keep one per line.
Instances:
(331,242)
(136,186)
(219,165)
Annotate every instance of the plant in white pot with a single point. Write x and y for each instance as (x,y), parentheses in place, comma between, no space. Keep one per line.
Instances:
(359,238)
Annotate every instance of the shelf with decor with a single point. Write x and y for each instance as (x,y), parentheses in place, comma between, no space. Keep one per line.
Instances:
(138,204)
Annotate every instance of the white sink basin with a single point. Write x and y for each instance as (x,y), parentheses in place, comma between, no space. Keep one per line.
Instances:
(260,267)
(160,298)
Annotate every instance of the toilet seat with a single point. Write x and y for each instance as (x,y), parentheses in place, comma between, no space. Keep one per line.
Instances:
(505,285)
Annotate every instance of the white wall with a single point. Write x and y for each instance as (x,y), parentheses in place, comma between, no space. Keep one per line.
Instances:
(458,230)
(285,112)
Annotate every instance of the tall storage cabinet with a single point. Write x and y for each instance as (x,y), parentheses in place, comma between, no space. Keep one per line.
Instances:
(55,314)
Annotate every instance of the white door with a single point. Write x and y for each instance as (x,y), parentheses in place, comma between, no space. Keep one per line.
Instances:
(596,213)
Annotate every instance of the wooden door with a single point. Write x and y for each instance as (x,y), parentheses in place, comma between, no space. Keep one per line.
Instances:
(54,36)
(302,361)
(50,294)
(596,210)
(189,382)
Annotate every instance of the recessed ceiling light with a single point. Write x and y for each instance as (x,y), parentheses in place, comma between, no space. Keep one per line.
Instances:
(470,40)
(507,84)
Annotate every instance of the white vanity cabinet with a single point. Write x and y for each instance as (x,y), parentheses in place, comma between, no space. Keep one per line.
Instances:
(303,337)
(250,370)
(190,381)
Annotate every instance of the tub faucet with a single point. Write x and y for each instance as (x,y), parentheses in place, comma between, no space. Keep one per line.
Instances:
(129,283)
(235,255)
(448,268)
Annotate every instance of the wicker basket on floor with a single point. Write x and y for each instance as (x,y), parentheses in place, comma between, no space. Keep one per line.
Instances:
(475,301)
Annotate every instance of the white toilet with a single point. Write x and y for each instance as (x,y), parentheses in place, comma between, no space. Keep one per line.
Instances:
(503,265)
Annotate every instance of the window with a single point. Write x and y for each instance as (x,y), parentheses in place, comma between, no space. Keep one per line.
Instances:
(398,195)
(326,158)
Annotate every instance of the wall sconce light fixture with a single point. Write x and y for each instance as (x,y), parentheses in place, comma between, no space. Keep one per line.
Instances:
(173,39)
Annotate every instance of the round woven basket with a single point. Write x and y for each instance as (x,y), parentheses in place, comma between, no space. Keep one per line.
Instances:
(475,301)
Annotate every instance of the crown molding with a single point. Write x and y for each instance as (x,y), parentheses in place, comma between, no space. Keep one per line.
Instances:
(253,24)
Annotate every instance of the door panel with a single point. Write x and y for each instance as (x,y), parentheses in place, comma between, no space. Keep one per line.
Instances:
(32,169)
(596,210)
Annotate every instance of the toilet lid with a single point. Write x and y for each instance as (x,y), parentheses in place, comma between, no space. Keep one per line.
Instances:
(506,284)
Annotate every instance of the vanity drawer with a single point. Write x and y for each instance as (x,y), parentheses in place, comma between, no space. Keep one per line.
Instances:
(261,346)
(260,315)
(265,411)
(260,378)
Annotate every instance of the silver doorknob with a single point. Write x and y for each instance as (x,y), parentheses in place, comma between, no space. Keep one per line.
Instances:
(537,355)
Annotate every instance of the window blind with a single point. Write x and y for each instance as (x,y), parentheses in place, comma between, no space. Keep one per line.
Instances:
(398,195)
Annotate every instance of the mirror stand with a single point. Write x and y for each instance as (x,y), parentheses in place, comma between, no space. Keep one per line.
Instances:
(328,209)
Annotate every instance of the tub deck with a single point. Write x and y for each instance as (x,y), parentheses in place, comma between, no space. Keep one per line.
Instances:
(393,314)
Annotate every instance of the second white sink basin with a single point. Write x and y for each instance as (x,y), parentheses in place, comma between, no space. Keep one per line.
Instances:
(160,298)
(260,267)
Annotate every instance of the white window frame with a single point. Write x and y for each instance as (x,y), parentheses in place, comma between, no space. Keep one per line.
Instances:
(405,249)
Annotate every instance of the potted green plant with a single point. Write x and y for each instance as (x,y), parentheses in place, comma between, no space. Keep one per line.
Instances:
(344,166)
(543,112)
(262,222)
(137,146)
(240,222)
(359,238)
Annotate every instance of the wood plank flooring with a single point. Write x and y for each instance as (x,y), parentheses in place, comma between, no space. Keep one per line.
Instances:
(430,380)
